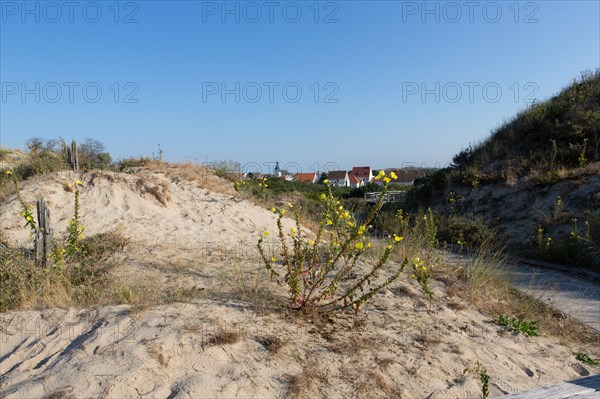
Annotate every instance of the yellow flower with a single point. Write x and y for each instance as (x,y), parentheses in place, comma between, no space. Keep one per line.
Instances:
(386,179)
(326,181)
(359,245)
(79,183)
(293,230)
(398,238)
(329,222)
(323,196)
(423,268)
(380,175)
(290,205)
(351,224)
(273,259)
(265,233)
(340,208)
(273,210)
(69,185)
(29,218)
(311,242)
(9,172)
(368,245)
(416,259)
(393,175)
(411,276)
(389,246)
(361,230)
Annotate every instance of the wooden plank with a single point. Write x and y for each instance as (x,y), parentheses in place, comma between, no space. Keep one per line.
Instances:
(584,388)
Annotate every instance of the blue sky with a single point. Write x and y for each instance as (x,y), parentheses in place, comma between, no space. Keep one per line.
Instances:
(383,83)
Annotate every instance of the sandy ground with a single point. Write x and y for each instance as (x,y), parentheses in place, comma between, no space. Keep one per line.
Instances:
(395,347)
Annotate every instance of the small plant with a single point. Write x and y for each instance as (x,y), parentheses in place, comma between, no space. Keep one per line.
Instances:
(423,276)
(584,357)
(430,229)
(485,380)
(74,226)
(582,159)
(557,208)
(574,235)
(255,187)
(528,328)
(318,271)
(26,212)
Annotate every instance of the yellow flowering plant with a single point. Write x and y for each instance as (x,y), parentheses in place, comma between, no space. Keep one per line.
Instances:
(320,271)
(26,212)
(74,226)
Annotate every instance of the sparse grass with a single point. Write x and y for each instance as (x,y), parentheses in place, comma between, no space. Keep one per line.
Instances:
(79,282)
(158,190)
(224,337)
(272,343)
(486,286)
(302,385)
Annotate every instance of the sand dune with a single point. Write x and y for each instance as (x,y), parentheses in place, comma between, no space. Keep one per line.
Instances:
(225,344)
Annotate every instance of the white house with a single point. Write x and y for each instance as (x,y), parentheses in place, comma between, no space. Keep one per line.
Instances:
(363,173)
(339,178)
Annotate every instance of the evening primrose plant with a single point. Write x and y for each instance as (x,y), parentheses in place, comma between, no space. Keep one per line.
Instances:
(320,271)
(74,227)
(27,210)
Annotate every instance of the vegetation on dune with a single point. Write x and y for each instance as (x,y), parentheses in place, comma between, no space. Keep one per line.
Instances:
(549,142)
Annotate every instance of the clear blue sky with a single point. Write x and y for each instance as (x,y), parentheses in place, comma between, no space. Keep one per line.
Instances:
(370,61)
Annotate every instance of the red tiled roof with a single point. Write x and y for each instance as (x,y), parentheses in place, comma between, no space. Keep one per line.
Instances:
(354,179)
(361,171)
(337,174)
(305,177)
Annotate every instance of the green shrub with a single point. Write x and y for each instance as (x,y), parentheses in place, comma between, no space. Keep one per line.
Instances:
(322,273)
(528,328)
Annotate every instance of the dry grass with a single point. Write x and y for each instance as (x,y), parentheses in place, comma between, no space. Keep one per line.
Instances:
(485,285)
(86,280)
(224,337)
(158,190)
(271,343)
(303,385)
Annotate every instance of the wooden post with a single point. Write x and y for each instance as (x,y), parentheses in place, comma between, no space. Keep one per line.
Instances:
(73,156)
(43,239)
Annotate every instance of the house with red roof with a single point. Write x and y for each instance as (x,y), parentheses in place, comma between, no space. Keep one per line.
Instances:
(306,177)
(355,182)
(339,178)
(363,173)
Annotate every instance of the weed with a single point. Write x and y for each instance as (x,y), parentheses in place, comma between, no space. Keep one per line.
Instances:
(26,212)
(584,357)
(316,268)
(74,226)
(528,328)
(485,380)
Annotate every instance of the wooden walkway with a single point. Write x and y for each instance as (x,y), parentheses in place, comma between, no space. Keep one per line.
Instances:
(584,388)
(390,196)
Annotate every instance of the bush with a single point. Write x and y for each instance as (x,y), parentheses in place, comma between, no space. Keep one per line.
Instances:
(322,274)
(463,231)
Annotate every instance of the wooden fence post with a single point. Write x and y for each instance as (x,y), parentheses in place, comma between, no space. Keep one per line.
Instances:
(43,239)
(73,156)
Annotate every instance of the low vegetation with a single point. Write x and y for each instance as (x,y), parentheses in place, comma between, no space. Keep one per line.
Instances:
(551,142)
